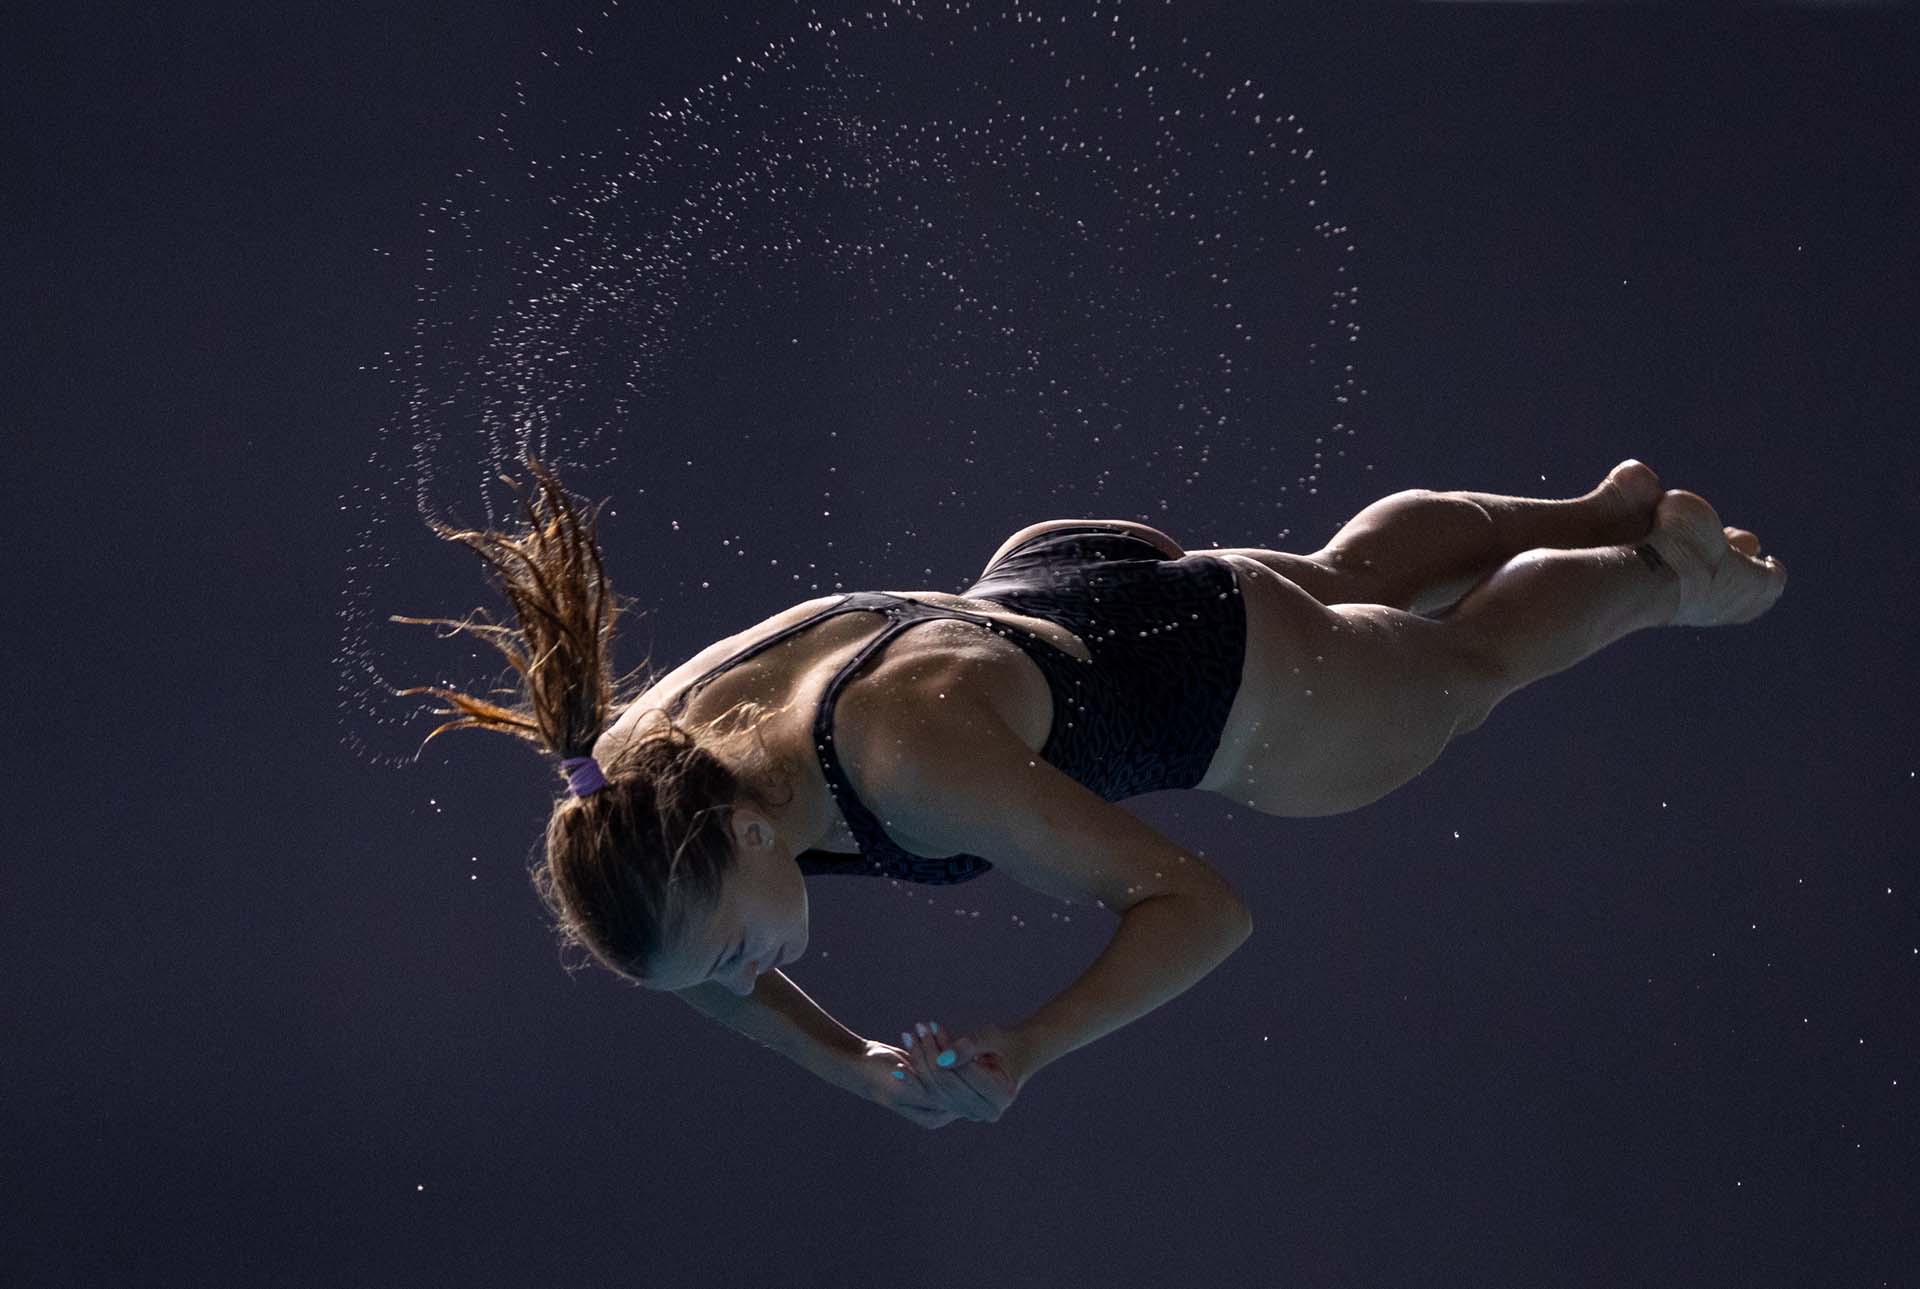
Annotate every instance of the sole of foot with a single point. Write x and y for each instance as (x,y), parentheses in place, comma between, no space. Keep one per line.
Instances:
(1723,578)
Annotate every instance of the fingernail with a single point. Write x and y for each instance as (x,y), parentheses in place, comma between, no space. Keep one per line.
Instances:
(945,1058)
(899,1074)
(920,1027)
(906,1038)
(935,1024)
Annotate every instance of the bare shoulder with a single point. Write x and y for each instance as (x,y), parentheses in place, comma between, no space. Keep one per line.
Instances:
(955,777)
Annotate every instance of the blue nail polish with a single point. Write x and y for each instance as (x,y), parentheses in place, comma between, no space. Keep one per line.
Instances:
(899,1074)
(907,1039)
(946,1058)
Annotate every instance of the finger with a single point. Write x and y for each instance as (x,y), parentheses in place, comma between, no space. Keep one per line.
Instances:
(950,1052)
(924,1113)
(927,1043)
(915,1052)
(968,1089)
(924,1045)
(973,1092)
(983,1071)
(977,1101)
(949,1056)
(916,1091)
(956,1099)
(982,1091)
(954,1093)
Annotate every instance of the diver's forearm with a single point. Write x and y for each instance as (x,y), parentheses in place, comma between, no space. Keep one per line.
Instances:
(777,1014)
(1163,945)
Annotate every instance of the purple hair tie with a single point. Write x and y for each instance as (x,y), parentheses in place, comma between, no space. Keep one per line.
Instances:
(583,775)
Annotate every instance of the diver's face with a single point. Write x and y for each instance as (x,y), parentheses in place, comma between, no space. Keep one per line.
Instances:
(759,923)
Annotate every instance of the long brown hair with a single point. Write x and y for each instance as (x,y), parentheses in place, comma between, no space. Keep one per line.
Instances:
(626,867)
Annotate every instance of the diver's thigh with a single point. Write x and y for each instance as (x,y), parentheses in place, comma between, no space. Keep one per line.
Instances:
(1344,703)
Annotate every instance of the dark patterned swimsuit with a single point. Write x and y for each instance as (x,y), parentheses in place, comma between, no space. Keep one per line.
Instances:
(1168,637)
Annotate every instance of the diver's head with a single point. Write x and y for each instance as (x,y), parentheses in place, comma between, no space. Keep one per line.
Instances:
(684,856)
(678,872)
(755,921)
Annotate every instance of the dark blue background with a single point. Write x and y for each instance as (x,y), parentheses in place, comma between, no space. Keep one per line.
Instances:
(1649,1018)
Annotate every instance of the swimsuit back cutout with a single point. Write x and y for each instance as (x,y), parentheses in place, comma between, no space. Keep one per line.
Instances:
(879,856)
(1167,639)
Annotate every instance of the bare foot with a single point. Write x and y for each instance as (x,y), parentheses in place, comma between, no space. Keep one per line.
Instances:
(1625,502)
(1722,580)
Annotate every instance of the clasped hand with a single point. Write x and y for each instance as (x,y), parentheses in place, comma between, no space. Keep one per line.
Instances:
(935,1078)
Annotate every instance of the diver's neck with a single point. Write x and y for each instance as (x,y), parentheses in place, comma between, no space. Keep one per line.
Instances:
(780,768)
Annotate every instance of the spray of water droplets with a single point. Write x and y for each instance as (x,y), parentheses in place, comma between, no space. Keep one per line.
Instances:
(1020,262)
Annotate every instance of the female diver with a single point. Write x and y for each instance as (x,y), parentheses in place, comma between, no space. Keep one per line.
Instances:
(930,737)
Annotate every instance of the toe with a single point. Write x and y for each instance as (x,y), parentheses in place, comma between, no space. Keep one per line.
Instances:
(1689,512)
(1743,541)
(1637,486)
(1625,503)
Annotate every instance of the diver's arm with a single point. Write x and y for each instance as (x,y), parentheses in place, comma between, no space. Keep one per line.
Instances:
(778,1015)
(1163,945)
